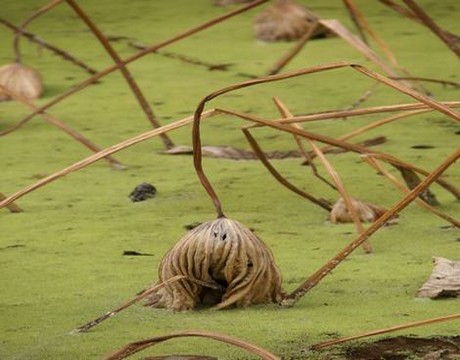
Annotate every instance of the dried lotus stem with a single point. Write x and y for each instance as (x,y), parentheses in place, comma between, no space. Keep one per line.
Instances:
(11,206)
(124,70)
(101,154)
(63,126)
(228,256)
(89,325)
(335,177)
(387,330)
(34,38)
(377,166)
(283,181)
(137,346)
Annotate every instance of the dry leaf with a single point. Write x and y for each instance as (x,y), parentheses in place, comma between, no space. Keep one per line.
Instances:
(367,212)
(286,20)
(20,80)
(444,280)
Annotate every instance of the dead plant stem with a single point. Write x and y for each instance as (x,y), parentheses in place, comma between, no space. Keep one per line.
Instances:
(313,280)
(124,70)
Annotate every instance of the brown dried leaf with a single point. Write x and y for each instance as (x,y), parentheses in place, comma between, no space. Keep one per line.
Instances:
(444,280)
(286,20)
(367,212)
(21,80)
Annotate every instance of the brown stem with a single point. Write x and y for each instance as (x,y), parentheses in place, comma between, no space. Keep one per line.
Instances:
(32,37)
(334,175)
(428,22)
(355,17)
(377,166)
(313,280)
(282,109)
(137,346)
(104,153)
(283,181)
(401,10)
(134,57)
(34,15)
(124,70)
(89,325)
(63,126)
(11,206)
(454,84)
(281,63)
(386,330)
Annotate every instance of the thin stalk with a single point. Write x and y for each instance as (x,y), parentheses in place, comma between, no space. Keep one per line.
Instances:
(377,166)
(387,330)
(124,70)
(67,129)
(34,15)
(147,50)
(281,63)
(11,206)
(34,38)
(313,280)
(338,114)
(335,177)
(137,346)
(355,17)
(282,109)
(89,325)
(101,154)
(430,24)
(283,181)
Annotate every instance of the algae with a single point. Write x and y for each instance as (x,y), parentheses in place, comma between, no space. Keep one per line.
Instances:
(61,260)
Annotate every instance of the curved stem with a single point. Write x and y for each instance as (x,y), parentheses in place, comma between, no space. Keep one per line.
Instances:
(137,346)
(32,17)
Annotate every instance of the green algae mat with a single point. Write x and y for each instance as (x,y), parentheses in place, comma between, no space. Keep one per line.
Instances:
(81,247)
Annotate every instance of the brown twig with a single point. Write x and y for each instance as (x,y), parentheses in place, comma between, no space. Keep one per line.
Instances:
(63,126)
(335,177)
(124,70)
(430,24)
(284,112)
(283,181)
(34,15)
(89,325)
(11,206)
(281,63)
(134,57)
(454,84)
(401,10)
(386,330)
(34,38)
(375,164)
(137,346)
(108,151)
(354,15)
